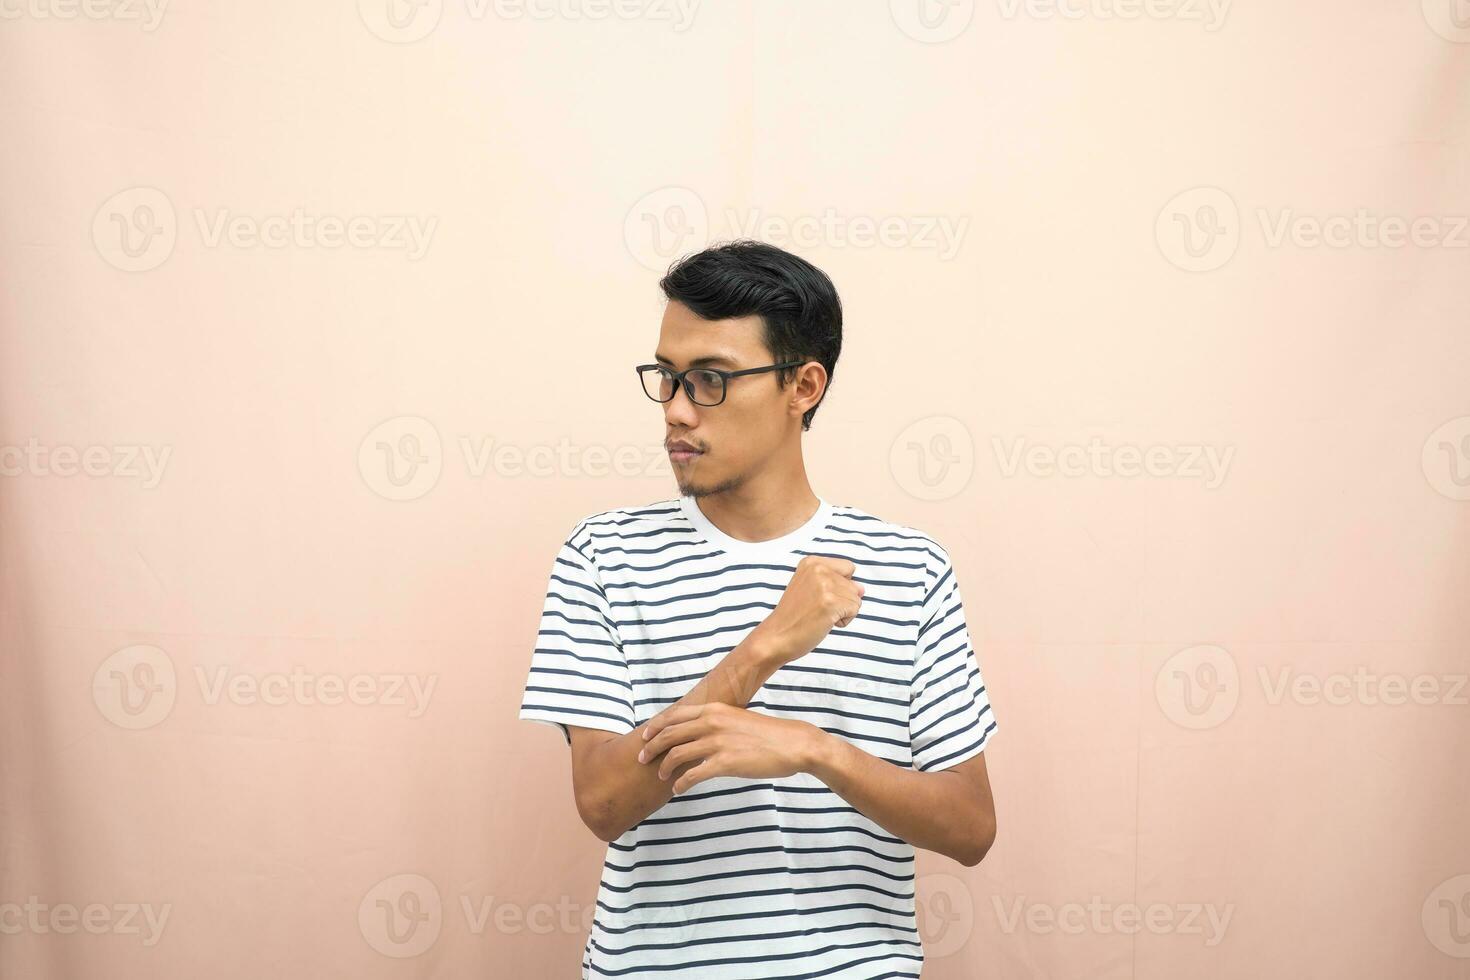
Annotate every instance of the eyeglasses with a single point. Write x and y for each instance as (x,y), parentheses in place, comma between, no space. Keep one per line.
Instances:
(704,386)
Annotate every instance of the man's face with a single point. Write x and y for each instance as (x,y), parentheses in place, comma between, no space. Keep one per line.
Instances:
(735,438)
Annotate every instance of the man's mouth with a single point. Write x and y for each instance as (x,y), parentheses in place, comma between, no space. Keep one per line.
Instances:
(680,453)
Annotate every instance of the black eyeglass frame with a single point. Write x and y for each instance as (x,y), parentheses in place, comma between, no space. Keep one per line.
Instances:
(679,381)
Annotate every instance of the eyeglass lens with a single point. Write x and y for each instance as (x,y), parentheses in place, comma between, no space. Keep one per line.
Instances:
(707,387)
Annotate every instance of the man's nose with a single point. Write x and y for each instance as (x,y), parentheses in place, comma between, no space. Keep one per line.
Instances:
(681,410)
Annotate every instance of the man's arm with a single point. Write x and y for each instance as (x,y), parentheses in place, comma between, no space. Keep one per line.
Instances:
(615,790)
(951,811)
(946,810)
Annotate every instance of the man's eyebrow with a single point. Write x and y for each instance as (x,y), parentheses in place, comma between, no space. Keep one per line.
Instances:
(715,360)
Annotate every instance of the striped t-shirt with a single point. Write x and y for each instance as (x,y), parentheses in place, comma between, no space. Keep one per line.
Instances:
(741,878)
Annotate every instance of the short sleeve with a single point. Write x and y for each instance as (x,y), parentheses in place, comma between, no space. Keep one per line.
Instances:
(950,719)
(578,673)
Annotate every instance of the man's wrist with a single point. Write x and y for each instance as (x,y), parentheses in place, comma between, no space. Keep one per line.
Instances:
(822,755)
(763,651)
(745,668)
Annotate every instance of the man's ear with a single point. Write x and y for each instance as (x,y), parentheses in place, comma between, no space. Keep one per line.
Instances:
(808,387)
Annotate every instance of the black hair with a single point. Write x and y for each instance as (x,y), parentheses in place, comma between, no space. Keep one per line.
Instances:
(796,301)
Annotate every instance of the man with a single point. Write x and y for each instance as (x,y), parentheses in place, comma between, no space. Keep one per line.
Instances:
(770,699)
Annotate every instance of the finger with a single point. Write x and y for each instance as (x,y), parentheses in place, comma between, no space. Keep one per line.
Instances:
(671,736)
(670,716)
(680,754)
(708,769)
(660,721)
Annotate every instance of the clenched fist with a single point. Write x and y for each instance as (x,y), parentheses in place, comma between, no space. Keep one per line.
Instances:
(821,595)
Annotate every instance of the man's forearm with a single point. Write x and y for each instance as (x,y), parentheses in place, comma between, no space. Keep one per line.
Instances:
(617,790)
(937,811)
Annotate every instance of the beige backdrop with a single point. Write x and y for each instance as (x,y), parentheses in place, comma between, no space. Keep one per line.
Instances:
(316,331)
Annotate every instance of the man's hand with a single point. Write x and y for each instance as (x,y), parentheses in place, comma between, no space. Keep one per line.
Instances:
(724,740)
(950,811)
(615,792)
(820,596)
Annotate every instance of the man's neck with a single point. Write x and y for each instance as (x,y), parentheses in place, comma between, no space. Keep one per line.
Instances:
(759,516)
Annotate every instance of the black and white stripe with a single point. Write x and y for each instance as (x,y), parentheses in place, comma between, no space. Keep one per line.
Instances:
(737,877)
